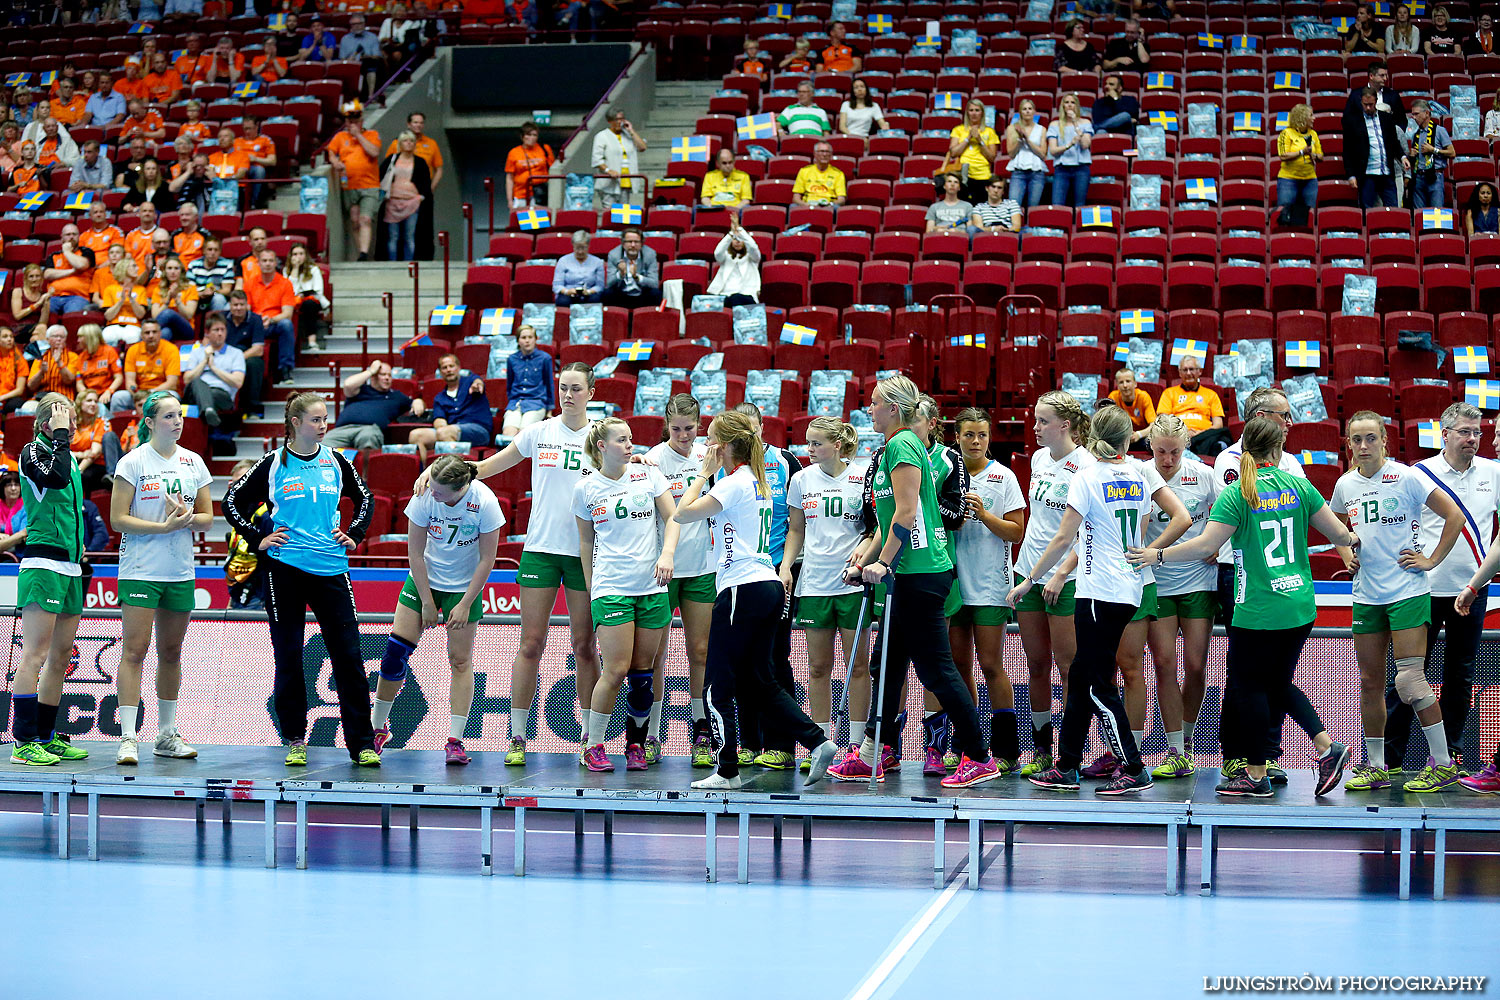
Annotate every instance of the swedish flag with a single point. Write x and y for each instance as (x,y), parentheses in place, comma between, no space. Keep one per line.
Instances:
(626,215)
(79,201)
(1287,81)
(48,78)
(1134,322)
(1318,458)
(1166,119)
(247,89)
(1182,349)
(1207,40)
(496,322)
(17,79)
(276,22)
(965,340)
(690,149)
(34,201)
(1097,216)
(1161,81)
(1244,43)
(634,350)
(1202,189)
(420,340)
(1304,353)
(1122,354)
(1418,7)
(533,219)
(948,101)
(1430,435)
(792,333)
(447,315)
(1483,393)
(756,126)
(879,24)
(929,41)
(1247,121)
(1437,218)
(781,10)
(1382,8)
(1283,120)
(140,28)
(1343,24)
(1471,360)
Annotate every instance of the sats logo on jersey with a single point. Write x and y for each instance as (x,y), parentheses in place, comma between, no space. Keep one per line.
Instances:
(291,488)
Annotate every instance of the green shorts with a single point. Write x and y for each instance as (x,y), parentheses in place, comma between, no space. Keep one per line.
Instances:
(698,589)
(52,592)
(980,614)
(1410,613)
(1033,600)
(646,611)
(366,199)
(545,570)
(1200,604)
(176,596)
(1147,610)
(444,599)
(839,611)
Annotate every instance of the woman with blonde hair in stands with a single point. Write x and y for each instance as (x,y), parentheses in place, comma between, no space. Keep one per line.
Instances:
(749,603)
(99,369)
(452,535)
(823,529)
(1069,139)
(1267,518)
(1300,153)
(88,439)
(626,542)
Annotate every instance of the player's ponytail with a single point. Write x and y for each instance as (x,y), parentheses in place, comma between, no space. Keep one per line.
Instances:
(452,472)
(839,434)
(736,432)
(1109,433)
(1262,442)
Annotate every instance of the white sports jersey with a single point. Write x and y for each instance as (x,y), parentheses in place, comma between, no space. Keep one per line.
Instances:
(830,511)
(1227,473)
(984,558)
(453,530)
(742,530)
(160,558)
(1197,487)
(1049,499)
(558,461)
(695,554)
(1386,513)
(627,539)
(1115,501)
(1477,490)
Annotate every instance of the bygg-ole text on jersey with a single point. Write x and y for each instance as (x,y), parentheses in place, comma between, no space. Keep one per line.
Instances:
(1273,586)
(695,554)
(928,550)
(557,463)
(831,526)
(627,540)
(1048,501)
(1386,513)
(302,494)
(1114,500)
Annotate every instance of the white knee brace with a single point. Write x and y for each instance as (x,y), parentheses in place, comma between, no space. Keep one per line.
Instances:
(1411,683)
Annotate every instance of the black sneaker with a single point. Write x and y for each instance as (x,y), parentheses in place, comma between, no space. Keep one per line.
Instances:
(1056,778)
(1331,768)
(1126,784)
(1275,773)
(1246,786)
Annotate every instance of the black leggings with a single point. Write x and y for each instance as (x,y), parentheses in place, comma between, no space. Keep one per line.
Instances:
(1460,646)
(754,732)
(1297,704)
(1258,691)
(917,631)
(1098,627)
(740,641)
(290,593)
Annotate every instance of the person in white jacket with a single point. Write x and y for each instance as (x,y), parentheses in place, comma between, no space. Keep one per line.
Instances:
(38,132)
(738,278)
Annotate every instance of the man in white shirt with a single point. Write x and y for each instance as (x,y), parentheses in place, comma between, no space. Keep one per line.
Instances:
(1474,484)
(213,373)
(614,155)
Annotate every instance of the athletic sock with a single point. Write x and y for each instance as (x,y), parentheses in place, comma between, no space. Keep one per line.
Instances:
(1322,754)
(867,751)
(1041,725)
(382,712)
(1437,743)
(857,732)
(1176,743)
(1140,739)
(655,730)
(1187,733)
(598,727)
(1375,751)
(699,715)
(46,721)
(25,706)
(518,719)
(456,724)
(128,721)
(166,716)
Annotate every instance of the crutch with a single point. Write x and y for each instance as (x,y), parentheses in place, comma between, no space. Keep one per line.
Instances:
(843,709)
(885,648)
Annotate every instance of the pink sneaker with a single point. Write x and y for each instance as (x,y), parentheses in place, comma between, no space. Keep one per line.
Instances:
(1106,766)
(933,765)
(888,759)
(635,757)
(1486,782)
(453,752)
(595,759)
(972,773)
(382,737)
(853,768)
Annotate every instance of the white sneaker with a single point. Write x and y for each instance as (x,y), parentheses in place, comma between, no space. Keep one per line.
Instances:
(127,754)
(717,783)
(169,744)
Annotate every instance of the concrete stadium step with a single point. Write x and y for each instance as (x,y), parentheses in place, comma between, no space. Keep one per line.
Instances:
(679,105)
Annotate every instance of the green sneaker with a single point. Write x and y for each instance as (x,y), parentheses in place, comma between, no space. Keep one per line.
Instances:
(368,758)
(516,755)
(1040,761)
(950,761)
(1275,773)
(1175,765)
(747,757)
(775,760)
(653,751)
(1006,766)
(60,748)
(1368,779)
(1233,768)
(296,755)
(33,754)
(1435,778)
(703,751)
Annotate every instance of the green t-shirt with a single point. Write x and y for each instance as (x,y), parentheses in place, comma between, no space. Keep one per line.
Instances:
(928,551)
(1273,586)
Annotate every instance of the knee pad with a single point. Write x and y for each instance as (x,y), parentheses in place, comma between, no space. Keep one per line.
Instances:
(1411,683)
(393,664)
(638,695)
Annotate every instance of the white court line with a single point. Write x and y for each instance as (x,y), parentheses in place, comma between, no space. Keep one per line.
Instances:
(533,832)
(877,976)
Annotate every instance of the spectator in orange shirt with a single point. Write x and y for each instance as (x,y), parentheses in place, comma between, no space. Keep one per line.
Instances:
(125,304)
(187,242)
(174,301)
(228,163)
(68,107)
(273,300)
(153,363)
(163,83)
(101,234)
(525,165)
(269,66)
(104,274)
(56,148)
(195,128)
(222,65)
(28,175)
(142,121)
(839,57)
(248,266)
(161,252)
(260,150)
(71,274)
(13,371)
(99,369)
(138,240)
(1136,402)
(432,155)
(352,154)
(68,72)
(57,370)
(88,440)
(131,85)
(187,63)
(750,62)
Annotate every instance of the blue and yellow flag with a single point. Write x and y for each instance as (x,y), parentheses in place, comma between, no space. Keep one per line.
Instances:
(1483,393)
(533,219)
(1247,121)
(879,24)
(34,201)
(756,126)
(420,340)
(1437,219)
(793,333)
(1207,40)
(1287,81)
(780,10)
(1318,457)
(967,340)
(447,315)
(948,100)
(1202,189)
(626,215)
(1243,43)
(79,201)
(17,79)
(1096,217)
(1283,121)
(635,350)
(497,322)
(250,88)
(1161,81)
(1134,322)
(276,22)
(1122,354)
(1166,119)
(140,28)
(1471,360)
(48,78)
(1183,349)
(1304,353)
(1430,435)
(690,149)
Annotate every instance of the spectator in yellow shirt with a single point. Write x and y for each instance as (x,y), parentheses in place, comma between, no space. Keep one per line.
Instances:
(726,187)
(1297,180)
(821,183)
(1136,402)
(1197,404)
(975,145)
